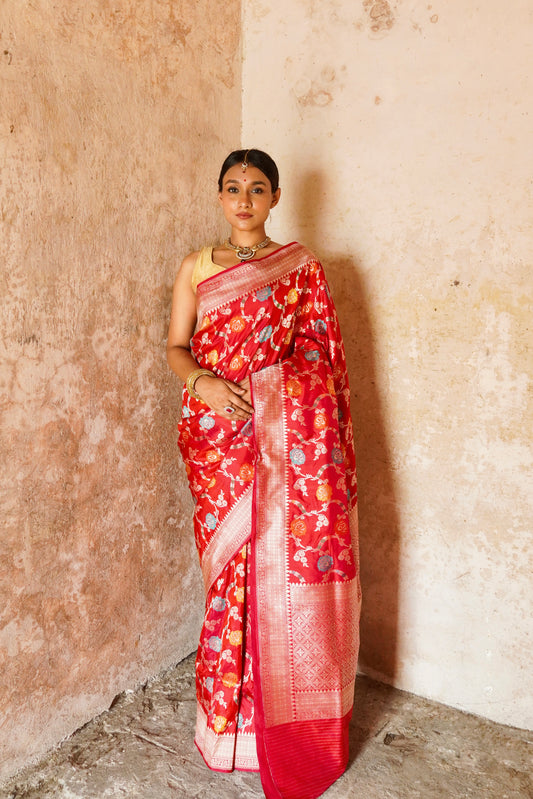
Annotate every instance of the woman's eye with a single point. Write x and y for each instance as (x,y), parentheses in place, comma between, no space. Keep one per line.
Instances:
(232,189)
(258,190)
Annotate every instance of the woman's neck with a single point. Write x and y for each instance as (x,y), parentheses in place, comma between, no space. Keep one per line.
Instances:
(247,238)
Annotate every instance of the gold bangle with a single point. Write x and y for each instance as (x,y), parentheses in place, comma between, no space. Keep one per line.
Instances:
(193,377)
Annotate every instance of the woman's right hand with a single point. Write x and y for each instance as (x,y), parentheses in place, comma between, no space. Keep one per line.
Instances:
(224,397)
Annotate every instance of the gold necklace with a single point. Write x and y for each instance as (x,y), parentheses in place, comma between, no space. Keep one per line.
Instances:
(245,253)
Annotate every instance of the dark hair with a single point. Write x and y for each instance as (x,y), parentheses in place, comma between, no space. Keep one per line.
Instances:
(255,158)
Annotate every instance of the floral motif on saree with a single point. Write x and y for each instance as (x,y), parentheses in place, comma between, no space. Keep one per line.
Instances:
(276,528)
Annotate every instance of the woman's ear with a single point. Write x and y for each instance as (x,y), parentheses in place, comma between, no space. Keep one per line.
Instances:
(275,197)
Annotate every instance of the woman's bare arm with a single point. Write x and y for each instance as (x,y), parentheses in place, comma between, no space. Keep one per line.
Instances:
(182,321)
(216,392)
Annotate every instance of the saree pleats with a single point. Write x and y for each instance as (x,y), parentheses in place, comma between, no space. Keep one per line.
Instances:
(276,528)
(225,733)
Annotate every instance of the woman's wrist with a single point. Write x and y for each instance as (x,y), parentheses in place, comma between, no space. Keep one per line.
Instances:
(193,377)
(199,383)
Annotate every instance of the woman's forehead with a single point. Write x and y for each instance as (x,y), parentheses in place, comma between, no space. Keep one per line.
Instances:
(251,174)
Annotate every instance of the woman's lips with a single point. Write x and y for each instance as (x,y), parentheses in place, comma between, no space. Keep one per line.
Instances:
(244,216)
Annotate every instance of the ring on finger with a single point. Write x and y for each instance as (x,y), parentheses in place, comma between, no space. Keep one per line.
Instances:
(229,409)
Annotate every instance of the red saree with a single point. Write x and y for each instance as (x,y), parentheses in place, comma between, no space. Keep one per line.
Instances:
(276,528)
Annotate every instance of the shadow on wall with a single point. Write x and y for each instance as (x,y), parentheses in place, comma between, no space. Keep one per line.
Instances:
(379,534)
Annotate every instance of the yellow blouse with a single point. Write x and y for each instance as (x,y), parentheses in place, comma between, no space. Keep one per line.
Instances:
(204,267)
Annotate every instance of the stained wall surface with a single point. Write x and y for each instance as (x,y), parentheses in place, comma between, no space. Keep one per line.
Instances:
(403,131)
(114,120)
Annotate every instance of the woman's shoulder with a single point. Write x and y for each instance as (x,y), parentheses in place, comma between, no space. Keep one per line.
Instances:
(192,258)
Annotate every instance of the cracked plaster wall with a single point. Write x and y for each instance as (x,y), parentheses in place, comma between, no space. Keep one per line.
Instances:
(114,120)
(403,132)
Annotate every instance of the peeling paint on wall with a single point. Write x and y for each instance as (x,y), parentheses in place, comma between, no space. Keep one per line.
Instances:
(381,17)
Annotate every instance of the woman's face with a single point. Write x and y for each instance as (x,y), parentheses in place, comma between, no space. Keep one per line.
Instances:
(246,198)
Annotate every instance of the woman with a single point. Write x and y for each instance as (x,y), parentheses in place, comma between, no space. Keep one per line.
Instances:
(267,441)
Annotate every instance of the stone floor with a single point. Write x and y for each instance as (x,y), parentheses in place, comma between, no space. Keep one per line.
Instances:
(402,747)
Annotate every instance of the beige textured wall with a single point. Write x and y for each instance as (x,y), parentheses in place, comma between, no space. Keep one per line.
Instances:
(403,130)
(113,117)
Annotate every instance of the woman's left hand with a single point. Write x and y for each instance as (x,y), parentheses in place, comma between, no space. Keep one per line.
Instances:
(224,397)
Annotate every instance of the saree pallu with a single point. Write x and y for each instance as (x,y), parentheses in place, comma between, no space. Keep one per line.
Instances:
(276,528)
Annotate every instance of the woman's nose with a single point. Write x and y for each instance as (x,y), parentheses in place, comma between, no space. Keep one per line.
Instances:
(244,200)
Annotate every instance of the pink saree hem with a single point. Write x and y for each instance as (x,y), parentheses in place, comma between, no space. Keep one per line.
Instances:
(225,752)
